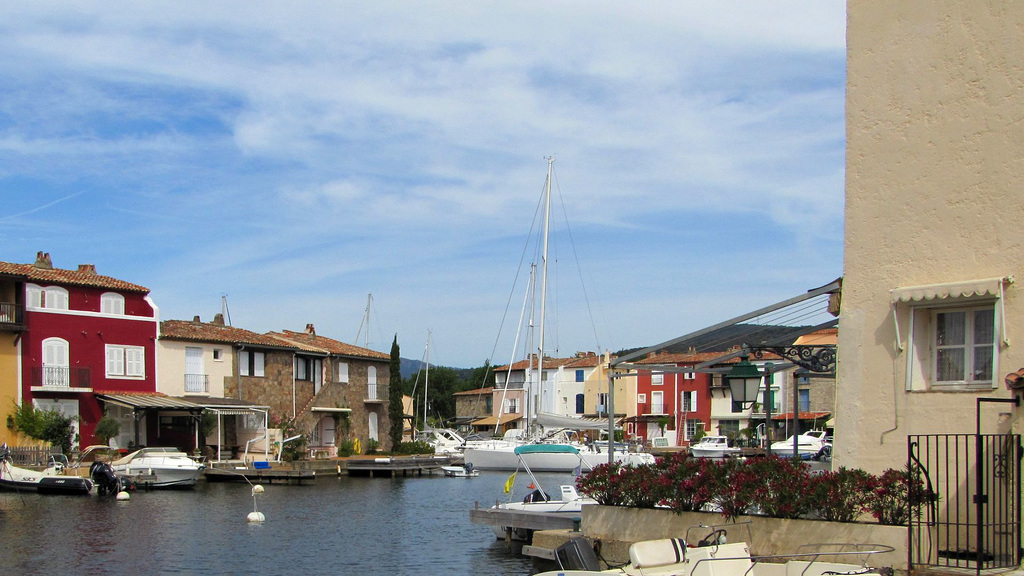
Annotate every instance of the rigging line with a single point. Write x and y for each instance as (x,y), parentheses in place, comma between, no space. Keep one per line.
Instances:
(515,282)
(579,269)
(816,306)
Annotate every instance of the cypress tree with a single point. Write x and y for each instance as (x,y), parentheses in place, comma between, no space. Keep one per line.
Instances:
(396,412)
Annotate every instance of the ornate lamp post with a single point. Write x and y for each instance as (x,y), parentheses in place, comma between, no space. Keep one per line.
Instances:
(744,382)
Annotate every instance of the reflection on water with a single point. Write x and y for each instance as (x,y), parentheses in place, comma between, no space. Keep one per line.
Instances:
(334,526)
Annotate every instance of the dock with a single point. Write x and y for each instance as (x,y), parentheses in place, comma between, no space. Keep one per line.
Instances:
(389,467)
(259,475)
(522,525)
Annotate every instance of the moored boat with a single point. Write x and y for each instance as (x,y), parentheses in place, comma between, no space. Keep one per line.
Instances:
(51,480)
(713,447)
(809,445)
(169,467)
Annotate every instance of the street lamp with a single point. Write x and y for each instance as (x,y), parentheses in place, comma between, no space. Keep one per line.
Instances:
(744,383)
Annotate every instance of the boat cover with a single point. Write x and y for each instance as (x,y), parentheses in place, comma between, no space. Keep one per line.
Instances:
(546,449)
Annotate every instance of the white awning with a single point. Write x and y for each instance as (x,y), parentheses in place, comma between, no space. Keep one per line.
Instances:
(986,287)
(333,410)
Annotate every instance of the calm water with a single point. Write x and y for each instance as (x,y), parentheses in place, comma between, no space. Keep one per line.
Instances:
(337,525)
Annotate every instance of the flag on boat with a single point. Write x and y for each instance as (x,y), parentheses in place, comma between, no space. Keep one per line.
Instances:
(508,483)
(577,470)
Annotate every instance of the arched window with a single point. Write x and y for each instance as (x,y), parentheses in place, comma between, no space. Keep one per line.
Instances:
(50,297)
(112,303)
(56,371)
(373,426)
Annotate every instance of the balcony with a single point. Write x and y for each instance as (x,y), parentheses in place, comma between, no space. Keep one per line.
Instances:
(58,378)
(376,393)
(12,317)
(197,384)
(649,409)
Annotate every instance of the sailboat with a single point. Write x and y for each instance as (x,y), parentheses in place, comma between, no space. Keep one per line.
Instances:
(501,454)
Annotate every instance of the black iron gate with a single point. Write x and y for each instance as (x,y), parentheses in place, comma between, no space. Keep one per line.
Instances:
(975,520)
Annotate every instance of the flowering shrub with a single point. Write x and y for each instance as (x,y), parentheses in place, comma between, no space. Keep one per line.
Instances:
(780,486)
(840,495)
(897,494)
(772,486)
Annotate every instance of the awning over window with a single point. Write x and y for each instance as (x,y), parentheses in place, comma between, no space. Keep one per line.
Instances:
(331,410)
(493,420)
(966,289)
(148,401)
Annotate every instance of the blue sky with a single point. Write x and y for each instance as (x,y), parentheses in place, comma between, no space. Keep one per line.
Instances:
(299,156)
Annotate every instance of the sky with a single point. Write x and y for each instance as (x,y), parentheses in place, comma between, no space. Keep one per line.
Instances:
(295,158)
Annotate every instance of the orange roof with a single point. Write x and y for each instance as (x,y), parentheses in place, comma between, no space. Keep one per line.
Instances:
(85,275)
(310,341)
(803,416)
(195,331)
(487,390)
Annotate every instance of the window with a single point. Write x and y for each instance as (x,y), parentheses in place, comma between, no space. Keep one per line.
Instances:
(964,344)
(954,333)
(579,403)
(343,372)
(730,428)
(688,400)
(218,355)
(55,363)
(50,297)
(371,376)
(657,403)
(112,303)
(126,361)
(579,375)
(602,403)
(512,406)
(657,379)
(251,363)
(301,368)
(805,400)
(689,375)
(692,426)
(641,398)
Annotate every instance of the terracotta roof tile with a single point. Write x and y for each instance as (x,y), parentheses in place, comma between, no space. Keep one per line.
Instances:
(84,276)
(209,332)
(487,390)
(316,343)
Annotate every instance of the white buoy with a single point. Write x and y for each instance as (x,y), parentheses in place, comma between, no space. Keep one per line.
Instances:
(122,496)
(256,517)
(257,489)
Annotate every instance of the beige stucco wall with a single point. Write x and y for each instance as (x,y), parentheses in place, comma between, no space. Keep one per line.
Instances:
(935,162)
(171,367)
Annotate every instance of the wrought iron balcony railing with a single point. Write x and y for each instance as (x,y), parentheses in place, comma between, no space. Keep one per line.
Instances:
(59,377)
(197,384)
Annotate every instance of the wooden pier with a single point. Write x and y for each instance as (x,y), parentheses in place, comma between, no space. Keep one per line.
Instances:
(521,525)
(391,467)
(259,475)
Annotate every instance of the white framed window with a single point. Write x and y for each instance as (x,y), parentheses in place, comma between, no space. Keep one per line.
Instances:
(964,346)
(688,400)
(251,363)
(112,303)
(126,361)
(692,426)
(689,375)
(343,372)
(56,365)
(371,375)
(657,402)
(657,379)
(512,406)
(641,398)
(49,297)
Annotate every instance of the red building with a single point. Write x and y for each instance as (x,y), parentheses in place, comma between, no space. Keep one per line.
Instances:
(672,401)
(86,334)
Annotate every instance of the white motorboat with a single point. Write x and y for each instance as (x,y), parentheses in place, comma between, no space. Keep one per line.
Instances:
(445,441)
(715,557)
(809,445)
(466,471)
(168,467)
(51,480)
(568,502)
(713,447)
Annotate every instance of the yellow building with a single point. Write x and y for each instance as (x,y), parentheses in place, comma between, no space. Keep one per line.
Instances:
(12,324)
(934,208)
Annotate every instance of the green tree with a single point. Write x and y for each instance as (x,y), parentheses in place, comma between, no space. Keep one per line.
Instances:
(396,412)
(46,425)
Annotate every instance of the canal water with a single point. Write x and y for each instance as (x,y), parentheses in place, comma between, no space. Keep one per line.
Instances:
(336,525)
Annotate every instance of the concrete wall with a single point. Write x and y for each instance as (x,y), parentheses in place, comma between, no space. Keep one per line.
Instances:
(617,527)
(933,173)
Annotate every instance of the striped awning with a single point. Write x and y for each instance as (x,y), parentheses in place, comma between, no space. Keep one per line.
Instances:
(148,401)
(985,287)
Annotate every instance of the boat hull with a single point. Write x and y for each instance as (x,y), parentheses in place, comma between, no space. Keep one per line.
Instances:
(43,482)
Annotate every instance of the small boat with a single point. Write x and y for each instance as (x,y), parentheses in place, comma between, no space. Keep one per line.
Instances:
(466,471)
(809,445)
(713,447)
(568,502)
(167,467)
(52,480)
(714,557)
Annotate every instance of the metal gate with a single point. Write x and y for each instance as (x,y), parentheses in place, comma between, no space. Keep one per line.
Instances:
(974,522)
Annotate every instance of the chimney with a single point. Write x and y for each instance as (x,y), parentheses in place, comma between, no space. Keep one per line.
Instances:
(43,261)
(310,329)
(218,319)
(195,319)
(87,268)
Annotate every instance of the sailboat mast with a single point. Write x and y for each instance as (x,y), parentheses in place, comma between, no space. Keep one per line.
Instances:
(426,385)
(544,285)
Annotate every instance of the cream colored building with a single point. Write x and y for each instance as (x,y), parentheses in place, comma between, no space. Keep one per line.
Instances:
(931,320)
